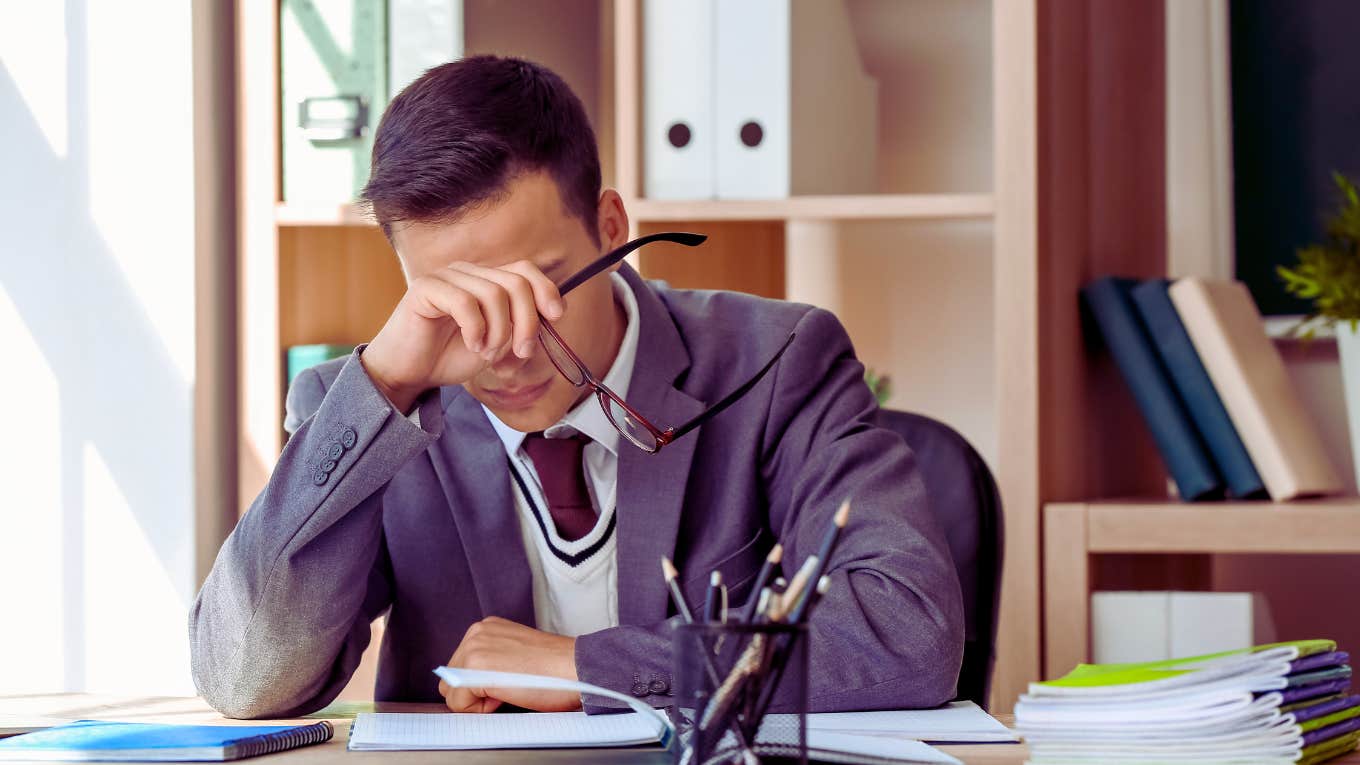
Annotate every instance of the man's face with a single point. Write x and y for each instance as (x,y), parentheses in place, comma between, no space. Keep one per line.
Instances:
(531,224)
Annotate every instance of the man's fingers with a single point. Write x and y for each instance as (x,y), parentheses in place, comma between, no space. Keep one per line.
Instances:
(549,302)
(523,309)
(448,300)
(474,700)
(492,301)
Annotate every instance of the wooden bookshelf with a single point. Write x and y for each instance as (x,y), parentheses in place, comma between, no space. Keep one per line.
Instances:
(1078,534)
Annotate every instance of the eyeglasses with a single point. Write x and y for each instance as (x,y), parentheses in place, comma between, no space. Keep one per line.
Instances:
(628,421)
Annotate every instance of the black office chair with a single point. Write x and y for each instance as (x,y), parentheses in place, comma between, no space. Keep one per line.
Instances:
(964,497)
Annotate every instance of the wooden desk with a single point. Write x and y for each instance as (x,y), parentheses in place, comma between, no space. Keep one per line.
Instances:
(74,706)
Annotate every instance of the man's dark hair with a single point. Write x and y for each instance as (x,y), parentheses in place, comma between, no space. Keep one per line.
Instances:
(458,135)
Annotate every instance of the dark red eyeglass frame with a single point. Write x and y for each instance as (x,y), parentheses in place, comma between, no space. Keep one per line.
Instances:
(602,392)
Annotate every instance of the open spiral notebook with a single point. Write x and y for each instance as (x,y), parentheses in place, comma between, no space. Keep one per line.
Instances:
(847,737)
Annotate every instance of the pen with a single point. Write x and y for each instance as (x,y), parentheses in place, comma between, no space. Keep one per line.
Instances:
(805,607)
(711,597)
(762,578)
(668,570)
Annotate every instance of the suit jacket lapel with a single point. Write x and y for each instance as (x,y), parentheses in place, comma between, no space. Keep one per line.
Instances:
(651,487)
(468,458)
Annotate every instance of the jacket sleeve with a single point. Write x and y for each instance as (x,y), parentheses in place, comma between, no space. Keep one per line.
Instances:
(283,617)
(889,633)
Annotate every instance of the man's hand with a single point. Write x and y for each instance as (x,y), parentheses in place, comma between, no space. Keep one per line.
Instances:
(504,646)
(453,322)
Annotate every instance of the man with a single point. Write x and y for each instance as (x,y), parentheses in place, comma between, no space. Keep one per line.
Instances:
(450,475)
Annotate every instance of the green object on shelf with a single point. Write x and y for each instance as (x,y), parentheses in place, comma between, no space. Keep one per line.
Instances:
(301,357)
(880,384)
(1328,273)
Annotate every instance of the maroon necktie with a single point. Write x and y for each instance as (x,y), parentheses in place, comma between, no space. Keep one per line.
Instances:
(562,475)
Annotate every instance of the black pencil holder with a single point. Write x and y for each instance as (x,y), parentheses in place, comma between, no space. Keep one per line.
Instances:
(742,693)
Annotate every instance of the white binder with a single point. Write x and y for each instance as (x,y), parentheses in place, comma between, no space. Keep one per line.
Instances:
(1155,625)
(421,34)
(678,99)
(795,112)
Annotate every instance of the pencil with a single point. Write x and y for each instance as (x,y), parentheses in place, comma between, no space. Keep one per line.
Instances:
(823,557)
(668,570)
(762,578)
(804,606)
(798,585)
(833,534)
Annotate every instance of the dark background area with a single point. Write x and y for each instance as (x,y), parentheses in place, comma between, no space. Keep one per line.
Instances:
(1296,118)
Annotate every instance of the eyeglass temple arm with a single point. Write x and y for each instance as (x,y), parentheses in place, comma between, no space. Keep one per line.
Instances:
(732,397)
(620,252)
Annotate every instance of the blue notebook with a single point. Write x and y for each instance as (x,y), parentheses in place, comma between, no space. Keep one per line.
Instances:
(93,740)
(1197,390)
(1180,445)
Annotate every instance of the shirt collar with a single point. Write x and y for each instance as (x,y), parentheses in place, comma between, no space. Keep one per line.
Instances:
(587,418)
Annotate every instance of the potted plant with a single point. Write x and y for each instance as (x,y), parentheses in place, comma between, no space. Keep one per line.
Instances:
(1328,274)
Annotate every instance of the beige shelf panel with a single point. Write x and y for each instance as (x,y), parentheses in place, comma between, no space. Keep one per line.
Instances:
(1315,526)
(850,207)
(286,214)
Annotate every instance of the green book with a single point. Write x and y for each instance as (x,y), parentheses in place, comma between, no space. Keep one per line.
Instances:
(1170,673)
(301,357)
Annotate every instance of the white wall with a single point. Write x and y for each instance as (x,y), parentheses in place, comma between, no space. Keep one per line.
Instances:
(96,345)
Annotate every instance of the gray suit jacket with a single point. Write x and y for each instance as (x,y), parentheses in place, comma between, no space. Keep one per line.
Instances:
(367,513)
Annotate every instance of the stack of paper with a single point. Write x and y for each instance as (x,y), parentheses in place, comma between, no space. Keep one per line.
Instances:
(1281,703)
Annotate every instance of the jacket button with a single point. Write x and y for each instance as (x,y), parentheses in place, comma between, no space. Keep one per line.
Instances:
(639,689)
(658,685)
(328,466)
(334,450)
(319,477)
(348,438)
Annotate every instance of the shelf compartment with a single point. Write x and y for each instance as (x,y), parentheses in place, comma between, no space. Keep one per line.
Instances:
(1330,525)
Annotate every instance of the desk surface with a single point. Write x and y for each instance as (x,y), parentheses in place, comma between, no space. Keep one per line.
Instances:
(14,710)
(73,706)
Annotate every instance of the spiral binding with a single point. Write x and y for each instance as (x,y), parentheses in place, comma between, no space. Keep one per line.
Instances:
(277,742)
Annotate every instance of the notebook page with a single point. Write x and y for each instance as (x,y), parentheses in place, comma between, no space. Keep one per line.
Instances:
(388,731)
(959,721)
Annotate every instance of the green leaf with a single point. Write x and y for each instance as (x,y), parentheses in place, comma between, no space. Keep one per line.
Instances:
(1328,273)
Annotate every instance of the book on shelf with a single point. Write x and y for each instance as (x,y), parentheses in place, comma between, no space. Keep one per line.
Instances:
(1250,377)
(1196,390)
(1180,445)
(1278,703)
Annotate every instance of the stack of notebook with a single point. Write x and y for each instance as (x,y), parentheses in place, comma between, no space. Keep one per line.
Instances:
(1281,703)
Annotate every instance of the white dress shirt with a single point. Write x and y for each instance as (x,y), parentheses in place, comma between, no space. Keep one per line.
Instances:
(575,583)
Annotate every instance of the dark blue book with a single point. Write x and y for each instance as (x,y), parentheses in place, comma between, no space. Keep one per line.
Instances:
(1197,390)
(1186,458)
(93,740)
